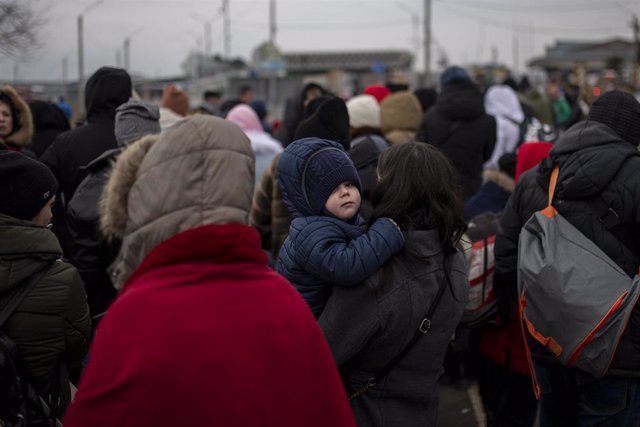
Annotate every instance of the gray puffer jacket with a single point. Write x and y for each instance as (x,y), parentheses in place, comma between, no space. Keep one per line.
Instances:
(367,326)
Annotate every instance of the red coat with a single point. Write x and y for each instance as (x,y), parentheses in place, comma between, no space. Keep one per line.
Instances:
(205,334)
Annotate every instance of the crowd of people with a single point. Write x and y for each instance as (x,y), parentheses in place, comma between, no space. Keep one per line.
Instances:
(197,265)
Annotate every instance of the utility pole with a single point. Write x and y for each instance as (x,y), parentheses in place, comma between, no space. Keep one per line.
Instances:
(16,70)
(427,42)
(127,53)
(207,38)
(80,98)
(118,58)
(636,36)
(65,77)
(272,22)
(271,57)
(227,28)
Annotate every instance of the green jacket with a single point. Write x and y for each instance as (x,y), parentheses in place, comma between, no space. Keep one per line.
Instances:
(52,323)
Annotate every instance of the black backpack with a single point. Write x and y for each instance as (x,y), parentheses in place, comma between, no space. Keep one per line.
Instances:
(20,405)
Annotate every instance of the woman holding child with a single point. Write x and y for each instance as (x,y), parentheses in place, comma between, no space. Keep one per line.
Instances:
(368,325)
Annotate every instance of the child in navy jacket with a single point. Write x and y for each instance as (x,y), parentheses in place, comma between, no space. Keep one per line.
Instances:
(328,244)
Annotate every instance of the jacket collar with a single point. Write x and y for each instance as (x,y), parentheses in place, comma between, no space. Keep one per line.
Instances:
(214,244)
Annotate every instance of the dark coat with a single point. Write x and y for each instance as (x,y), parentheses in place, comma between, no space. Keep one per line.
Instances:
(89,252)
(367,326)
(594,163)
(269,214)
(365,152)
(492,196)
(49,121)
(107,89)
(459,127)
(52,324)
(322,251)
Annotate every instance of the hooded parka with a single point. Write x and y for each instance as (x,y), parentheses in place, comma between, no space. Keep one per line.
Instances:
(596,167)
(460,128)
(203,332)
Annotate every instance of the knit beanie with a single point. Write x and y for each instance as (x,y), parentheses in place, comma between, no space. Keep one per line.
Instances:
(329,120)
(175,99)
(400,111)
(27,185)
(621,112)
(324,171)
(364,111)
(454,75)
(379,92)
(135,119)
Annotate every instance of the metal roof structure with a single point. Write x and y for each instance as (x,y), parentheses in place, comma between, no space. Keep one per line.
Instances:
(355,61)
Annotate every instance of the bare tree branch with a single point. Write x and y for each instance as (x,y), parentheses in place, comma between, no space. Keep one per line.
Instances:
(20,28)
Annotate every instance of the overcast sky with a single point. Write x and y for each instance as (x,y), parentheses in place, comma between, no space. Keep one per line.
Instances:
(164,31)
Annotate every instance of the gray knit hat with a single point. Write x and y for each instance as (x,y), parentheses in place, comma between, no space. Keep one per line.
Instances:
(135,119)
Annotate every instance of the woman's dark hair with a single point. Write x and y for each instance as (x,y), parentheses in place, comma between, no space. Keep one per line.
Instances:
(417,189)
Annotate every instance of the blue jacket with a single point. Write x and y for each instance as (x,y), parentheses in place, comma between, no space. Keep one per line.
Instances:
(323,251)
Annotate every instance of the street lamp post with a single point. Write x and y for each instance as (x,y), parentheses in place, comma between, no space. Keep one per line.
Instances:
(126,49)
(80,100)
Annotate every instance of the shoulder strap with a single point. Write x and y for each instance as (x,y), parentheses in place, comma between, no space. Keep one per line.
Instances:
(423,328)
(10,302)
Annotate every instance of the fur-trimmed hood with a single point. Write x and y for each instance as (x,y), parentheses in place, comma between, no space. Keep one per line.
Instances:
(501,179)
(199,171)
(23,130)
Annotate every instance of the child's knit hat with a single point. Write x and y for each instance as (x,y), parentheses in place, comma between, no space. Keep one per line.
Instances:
(324,171)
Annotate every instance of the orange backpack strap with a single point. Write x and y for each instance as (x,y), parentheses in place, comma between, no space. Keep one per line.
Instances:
(550,211)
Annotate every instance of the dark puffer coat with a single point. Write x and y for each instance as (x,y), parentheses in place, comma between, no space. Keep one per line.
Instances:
(595,164)
(367,326)
(321,251)
(49,122)
(459,127)
(90,253)
(107,89)
(51,325)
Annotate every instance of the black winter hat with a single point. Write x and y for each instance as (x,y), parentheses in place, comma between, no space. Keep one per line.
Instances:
(326,118)
(621,112)
(324,171)
(27,185)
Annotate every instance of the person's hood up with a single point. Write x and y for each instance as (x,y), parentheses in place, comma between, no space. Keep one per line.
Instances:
(199,171)
(590,155)
(400,111)
(460,102)
(47,115)
(291,173)
(245,117)
(106,89)
(502,101)
(23,129)
(326,117)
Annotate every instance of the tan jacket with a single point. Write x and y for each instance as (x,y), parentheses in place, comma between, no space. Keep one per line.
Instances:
(197,172)
(269,214)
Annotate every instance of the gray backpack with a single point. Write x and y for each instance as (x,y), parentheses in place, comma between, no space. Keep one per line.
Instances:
(573,299)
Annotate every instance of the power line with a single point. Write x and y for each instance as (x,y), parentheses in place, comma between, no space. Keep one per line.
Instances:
(524,29)
(556,7)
